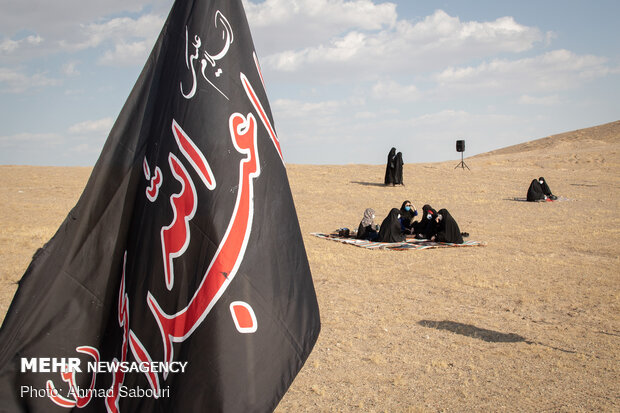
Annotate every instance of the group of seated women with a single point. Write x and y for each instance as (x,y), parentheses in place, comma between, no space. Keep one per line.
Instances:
(433,225)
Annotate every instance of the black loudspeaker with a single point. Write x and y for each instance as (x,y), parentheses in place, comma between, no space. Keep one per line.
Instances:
(460,146)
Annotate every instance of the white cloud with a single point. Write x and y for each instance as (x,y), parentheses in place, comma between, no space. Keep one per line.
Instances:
(119,40)
(310,22)
(322,18)
(70,69)
(126,54)
(557,70)
(15,81)
(444,117)
(297,109)
(8,46)
(61,21)
(99,126)
(13,50)
(404,47)
(83,149)
(318,121)
(352,13)
(445,31)
(395,91)
(30,139)
(340,50)
(131,39)
(539,100)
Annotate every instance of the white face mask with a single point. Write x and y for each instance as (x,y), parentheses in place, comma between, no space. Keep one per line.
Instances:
(373,216)
(429,217)
(398,216)
(541,182)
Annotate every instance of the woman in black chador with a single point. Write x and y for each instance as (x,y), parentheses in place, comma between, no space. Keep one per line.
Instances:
(390,168)
(425,228)
(535,192)
(366,229)
(539,191)
(407,214)
(546,190)
(447,228)
(398,169)
(390,228)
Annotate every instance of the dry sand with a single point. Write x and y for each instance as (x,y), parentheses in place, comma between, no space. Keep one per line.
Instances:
(531,322)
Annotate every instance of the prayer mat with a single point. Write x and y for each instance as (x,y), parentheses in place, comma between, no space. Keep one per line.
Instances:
(409,244)
(559,199)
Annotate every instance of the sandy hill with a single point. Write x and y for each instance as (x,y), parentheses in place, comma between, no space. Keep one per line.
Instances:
(530,322)
(602,139)
(596,136)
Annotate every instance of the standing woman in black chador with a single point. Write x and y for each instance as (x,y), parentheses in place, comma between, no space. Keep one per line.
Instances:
(390,228)
(390,167)
(398,169)
(447,228)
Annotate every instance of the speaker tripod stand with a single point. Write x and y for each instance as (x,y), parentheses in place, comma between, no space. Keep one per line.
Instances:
(462,164)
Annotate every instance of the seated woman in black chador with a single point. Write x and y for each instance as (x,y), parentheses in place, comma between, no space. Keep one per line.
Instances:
(546,190)
(535,192)
(390,228)
(539,191)
(425,228)
(367,228)
(408,212)
(447,228)
(390,168)
(398,169)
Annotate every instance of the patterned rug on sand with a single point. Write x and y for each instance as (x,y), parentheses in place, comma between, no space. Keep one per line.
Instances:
(409,244)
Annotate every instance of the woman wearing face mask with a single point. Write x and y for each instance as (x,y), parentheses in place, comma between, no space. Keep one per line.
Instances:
(539,191)
(535,192)
(390,228)
(425,228)
(447,228)
(408,212)
(546,190)
(367,228)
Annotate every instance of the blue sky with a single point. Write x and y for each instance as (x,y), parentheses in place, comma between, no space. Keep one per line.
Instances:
(346,79)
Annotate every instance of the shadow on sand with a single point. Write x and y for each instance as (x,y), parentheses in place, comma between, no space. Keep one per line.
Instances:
(373,184)
(368,183)
(483,334)
(473,331)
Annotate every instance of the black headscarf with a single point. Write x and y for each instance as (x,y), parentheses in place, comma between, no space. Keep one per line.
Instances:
(545,187)
(535,191)
(426,228)
(406,217)
(390,228)
(398,169)
(389,167)
(447,229)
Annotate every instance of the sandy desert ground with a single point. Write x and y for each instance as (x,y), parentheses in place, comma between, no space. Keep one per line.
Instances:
(530,322)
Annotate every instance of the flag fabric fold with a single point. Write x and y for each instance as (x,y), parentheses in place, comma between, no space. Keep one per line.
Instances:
(179,281)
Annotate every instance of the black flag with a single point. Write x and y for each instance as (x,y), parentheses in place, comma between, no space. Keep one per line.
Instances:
(179,282)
